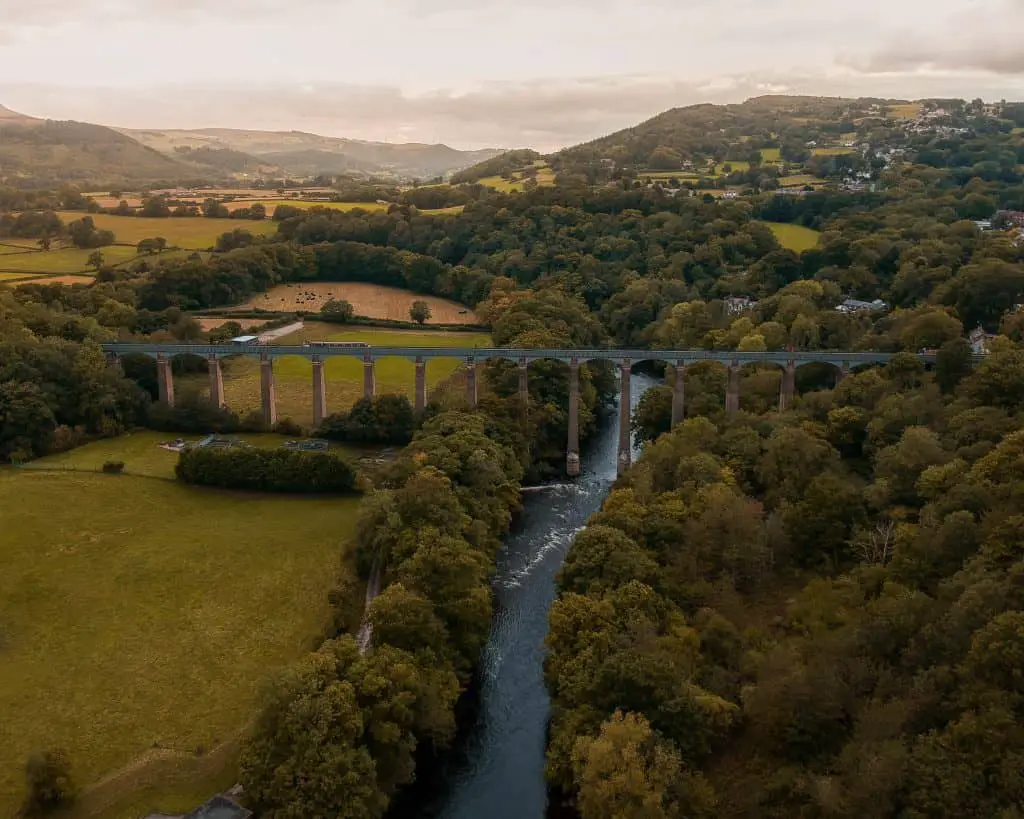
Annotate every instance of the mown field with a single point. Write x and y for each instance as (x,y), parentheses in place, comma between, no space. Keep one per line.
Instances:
(139,619)
(190,233)
(832,151)
(370,300)
(771,155)
(294,376)
(794,237)
(141,455)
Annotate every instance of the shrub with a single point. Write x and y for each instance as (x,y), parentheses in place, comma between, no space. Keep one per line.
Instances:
(286,426)
(387,419)
(192,414)
(49,783)
(113,467)
(267,470)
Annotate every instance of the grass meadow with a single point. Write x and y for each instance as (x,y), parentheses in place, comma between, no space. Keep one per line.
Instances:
(190,232)
(369,300)
(139,619)
(771,155)
(794,237)
(839,151)
(909,110)
(293,376)
(143,457)
(67,260)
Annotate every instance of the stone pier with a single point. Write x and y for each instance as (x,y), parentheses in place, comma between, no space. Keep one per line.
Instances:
(679,395)
(788,389)
(268,395)
(524,388)
(625,459)
(572,458)
(319,393)
(732,390)
(165,381)
(369,378)
(421,384)
(216,381)
(471,394)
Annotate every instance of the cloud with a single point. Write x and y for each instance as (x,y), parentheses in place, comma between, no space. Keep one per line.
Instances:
(543,114)
(990,56)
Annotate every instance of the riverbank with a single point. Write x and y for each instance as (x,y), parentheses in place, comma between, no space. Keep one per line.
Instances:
(496,767)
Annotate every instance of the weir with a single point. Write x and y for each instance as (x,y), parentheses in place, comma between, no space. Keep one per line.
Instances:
(787,360)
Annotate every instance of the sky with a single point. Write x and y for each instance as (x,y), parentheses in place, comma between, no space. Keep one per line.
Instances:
(485,73)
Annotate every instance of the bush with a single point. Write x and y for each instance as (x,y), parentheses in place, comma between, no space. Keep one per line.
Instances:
(113,467)
(192,414)
(48,783)
(388,419)
(267,470)
(286,426)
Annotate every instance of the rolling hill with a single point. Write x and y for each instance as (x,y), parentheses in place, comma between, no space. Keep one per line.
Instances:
(48,153)
(301,153)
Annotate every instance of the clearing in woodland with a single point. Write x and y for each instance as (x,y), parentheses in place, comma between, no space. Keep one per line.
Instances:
(369,300)
(794,237)
(176,604)
(294,375)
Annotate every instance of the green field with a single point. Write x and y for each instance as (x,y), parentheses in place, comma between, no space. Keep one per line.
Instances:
(799,180)
(545,177)
(832,151)
(191,232)
(8,277)
(909,110)
(771,154)
(294,376)
(141,455)
(738,166)
(139,619)
(794,237)
(68,260)
(306,205)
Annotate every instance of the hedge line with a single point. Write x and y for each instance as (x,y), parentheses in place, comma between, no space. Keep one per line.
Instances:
(267,470)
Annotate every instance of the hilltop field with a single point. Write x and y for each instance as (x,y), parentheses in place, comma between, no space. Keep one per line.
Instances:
(175,603)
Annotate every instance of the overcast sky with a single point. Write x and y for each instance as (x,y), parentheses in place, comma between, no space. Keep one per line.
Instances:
(485,73)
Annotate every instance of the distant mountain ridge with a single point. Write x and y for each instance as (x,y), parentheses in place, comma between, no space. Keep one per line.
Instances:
(301,152)
(43,152)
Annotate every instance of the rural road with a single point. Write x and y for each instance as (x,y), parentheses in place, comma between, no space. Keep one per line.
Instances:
(278,332)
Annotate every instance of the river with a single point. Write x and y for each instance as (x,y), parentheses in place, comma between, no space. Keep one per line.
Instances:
(499,770)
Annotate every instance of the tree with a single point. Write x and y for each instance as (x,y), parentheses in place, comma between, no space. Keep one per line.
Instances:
(339,309)
(419,311)
(96,260)
(629,772)
(49,783)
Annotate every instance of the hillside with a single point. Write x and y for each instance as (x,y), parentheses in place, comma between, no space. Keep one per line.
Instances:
(496,166)
(708,131)
(313,154)
(46,152)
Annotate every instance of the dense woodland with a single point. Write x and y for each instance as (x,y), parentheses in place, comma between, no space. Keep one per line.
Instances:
(812,613)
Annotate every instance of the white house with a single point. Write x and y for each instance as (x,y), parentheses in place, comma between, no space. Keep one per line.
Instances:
(858,306)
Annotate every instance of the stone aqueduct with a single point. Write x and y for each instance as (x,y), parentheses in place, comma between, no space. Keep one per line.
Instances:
(733,361)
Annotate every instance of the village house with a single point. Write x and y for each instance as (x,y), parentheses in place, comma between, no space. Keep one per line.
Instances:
(734,305)
(980,340)
(858,306)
